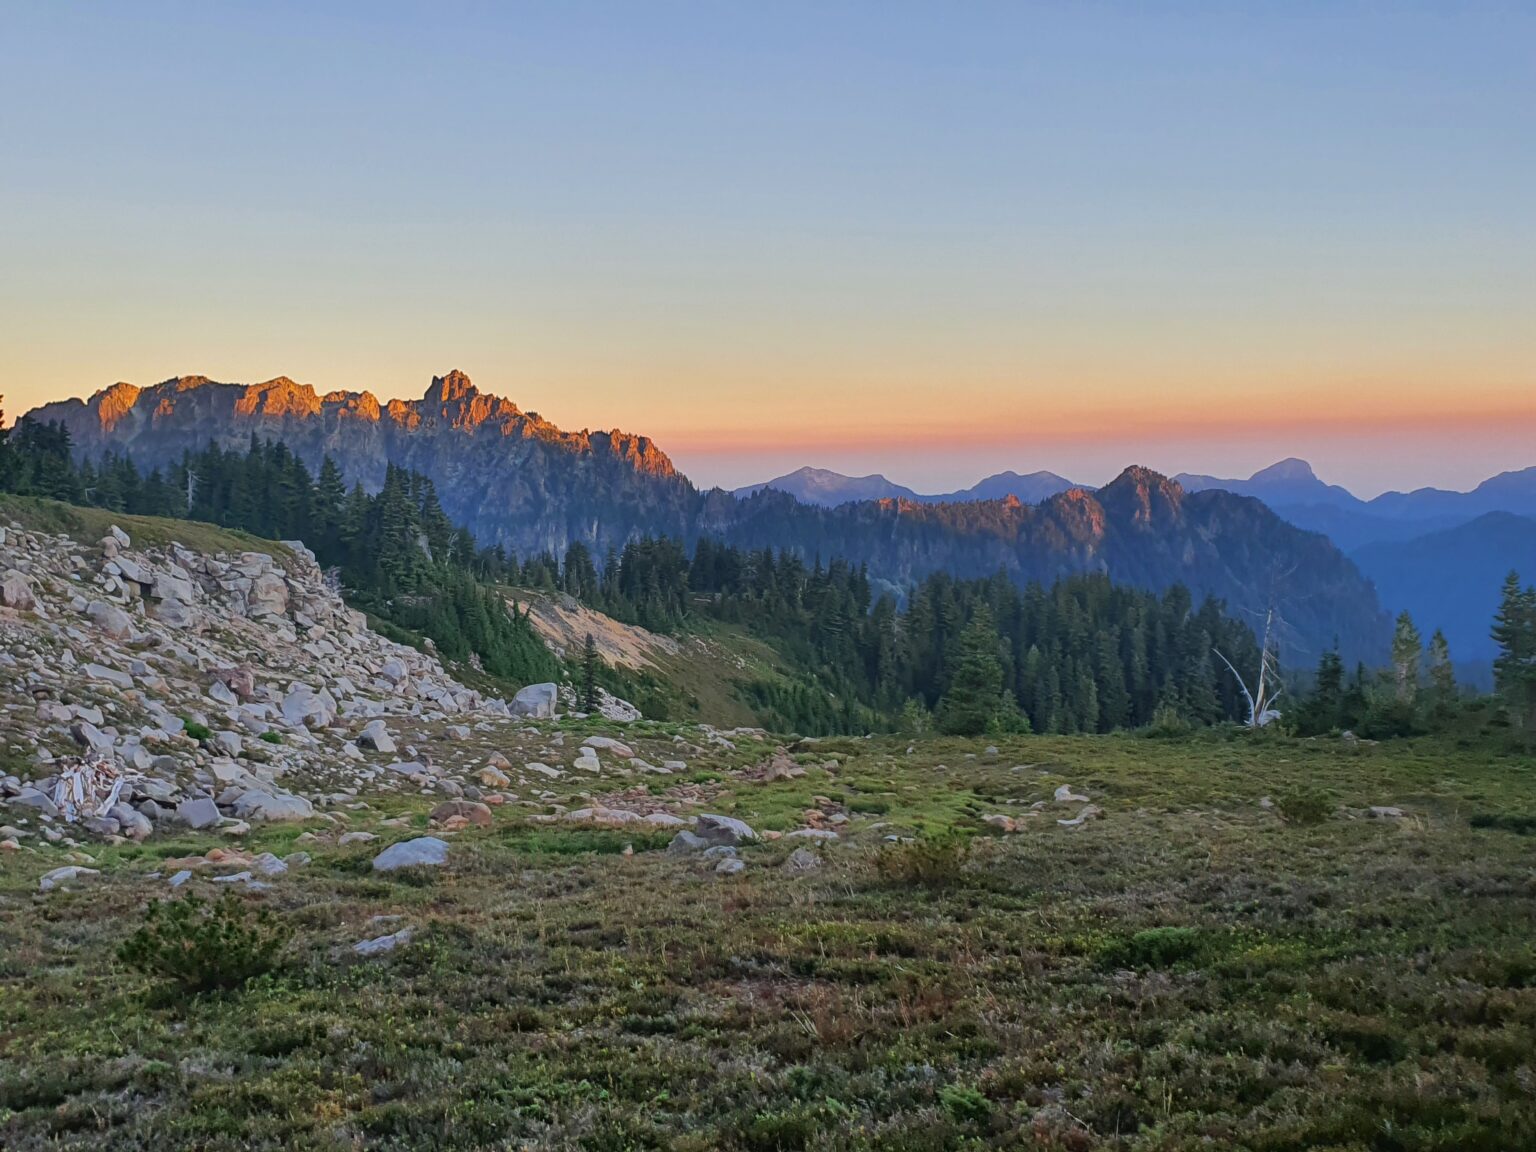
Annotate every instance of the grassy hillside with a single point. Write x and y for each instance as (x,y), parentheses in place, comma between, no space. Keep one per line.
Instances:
(1235,955)
(88,525)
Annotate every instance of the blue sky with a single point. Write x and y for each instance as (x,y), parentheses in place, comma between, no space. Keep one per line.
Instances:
(933,240)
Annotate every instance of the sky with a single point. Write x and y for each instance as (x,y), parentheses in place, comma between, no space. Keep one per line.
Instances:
(931,240)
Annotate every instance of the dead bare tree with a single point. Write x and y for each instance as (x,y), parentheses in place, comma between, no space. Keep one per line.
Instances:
(1268,688)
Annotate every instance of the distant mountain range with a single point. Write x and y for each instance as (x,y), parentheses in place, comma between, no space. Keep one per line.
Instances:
(1294,491)
(1451,579)
(1439,554)
(829,489)
(515,479)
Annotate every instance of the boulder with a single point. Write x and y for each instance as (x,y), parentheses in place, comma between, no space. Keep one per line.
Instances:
(175,613)
(477,814)
(268,596)
(422,851)
(133,823)
(110,675)
(36,799)
(304,708)
(536,702)
(802,860)
(274,806)
(686,842)
(51,880)
(376,736)
(493,777)
(382,944)
(110,619)
(609,744)
(715,829)
(16,592)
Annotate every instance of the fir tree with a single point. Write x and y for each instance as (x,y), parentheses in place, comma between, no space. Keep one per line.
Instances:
(589,675)
(975,691)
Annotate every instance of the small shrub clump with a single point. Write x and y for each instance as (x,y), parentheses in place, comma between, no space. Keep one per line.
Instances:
(199,732)
(1305,807)
(205,947)
(1155,948)
(932,862)
(271,737)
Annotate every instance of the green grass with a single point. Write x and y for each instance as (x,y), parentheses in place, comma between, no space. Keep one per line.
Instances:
(1191,971)
(88,525)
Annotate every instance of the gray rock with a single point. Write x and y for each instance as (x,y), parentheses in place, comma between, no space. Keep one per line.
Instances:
(175,613)
(609,744)
(376,736)
(381,944)
(685,842)
(802,860)
(36,799)
(723,829)
(273,806)
(229,742)
(134,824)
(303,707)
(268,595)
(198,813)
(110,619)
(110,675)
(51,880)
(268,865)
(811,834)
(730,866)
(180,878)
(393,670)
(536,702)
(422,851)
(92,737)
(16,592)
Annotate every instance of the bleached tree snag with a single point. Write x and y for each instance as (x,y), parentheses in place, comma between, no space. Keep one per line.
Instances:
(1269,687)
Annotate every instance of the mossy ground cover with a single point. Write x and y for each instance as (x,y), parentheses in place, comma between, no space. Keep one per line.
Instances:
(1190,971)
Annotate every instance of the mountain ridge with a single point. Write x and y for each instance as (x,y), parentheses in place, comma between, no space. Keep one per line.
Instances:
(518,481)
(828,488)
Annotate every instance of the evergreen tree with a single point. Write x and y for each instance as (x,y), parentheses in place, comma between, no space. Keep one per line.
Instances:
(971,703)
(589,675)
(1514,669)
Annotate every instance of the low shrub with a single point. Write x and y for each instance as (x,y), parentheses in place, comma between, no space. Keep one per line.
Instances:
(198,732)
(205,947)
(1305,807)
(1518,823)
(1155,948)
(271,737)
(931,862)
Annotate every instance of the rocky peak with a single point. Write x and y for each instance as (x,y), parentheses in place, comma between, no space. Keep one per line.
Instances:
(1289,470)
(449,389)
(1143,496)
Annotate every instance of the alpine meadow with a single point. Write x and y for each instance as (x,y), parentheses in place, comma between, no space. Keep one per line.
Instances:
(984,597)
